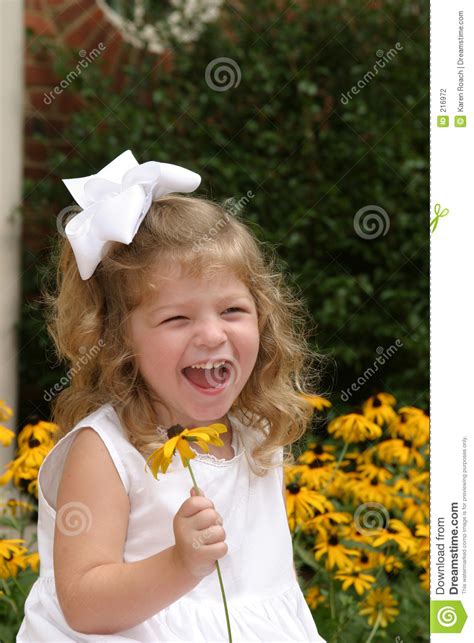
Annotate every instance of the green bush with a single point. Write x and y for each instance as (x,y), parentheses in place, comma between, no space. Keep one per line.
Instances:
(311,161)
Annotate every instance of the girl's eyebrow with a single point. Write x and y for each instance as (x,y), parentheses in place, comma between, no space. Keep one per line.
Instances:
(233,297)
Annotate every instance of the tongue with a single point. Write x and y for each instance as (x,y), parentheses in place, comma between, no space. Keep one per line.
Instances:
(206,377)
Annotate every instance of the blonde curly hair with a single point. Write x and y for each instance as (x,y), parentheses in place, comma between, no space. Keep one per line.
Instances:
(201,237)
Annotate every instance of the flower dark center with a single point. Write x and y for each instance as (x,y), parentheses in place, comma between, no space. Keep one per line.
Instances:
(33,442)
(376,403)
(293,487)
(333,540)
(174,430)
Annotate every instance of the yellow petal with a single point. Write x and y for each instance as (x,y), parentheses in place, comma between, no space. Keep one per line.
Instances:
(185,452)
(170,445)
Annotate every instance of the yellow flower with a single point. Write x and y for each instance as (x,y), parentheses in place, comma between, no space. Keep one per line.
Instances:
(423,531)
(425,580)
(354,427)
(372,472)
(314,597)
(12,552)
(316,401)
(326,521)
(178,438)
(33,487)
(317,452)
(32,560)
(314,475)
(402,451)
(366,490)
(328,544)
(5,412)
(413,484)
(396,531)
(14,504)
(203,435)
(302,502)
(379,601)
(354,576)
(366,559)
(411,424)
(6,436)
(35,435)
(378,408)
(391,564)
(415,511)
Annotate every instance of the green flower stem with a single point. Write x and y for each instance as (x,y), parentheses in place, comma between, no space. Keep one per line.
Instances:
(331,597)
(376,626)
(196,489)
(18,586)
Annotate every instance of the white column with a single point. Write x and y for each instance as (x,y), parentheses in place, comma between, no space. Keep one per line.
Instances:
(11,168)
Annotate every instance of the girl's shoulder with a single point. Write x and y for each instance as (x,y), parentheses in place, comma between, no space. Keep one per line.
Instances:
(107,425)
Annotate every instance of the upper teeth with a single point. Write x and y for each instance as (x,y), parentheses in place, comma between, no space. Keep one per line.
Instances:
(208,364)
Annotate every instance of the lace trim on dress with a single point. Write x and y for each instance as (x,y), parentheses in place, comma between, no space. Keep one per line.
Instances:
(236,444)
(210,458)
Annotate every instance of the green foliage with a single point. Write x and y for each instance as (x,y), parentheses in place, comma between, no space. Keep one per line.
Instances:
(311,161)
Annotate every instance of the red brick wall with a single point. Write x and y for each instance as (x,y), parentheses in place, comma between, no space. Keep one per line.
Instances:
(78,24)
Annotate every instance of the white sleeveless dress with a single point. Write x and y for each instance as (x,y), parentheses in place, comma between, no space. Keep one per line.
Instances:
(264,599)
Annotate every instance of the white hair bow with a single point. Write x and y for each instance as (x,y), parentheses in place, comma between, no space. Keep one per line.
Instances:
(115,202)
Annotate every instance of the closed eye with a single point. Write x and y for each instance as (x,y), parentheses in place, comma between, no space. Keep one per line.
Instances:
(233,309)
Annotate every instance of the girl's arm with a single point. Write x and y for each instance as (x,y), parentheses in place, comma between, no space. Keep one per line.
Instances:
(98,592)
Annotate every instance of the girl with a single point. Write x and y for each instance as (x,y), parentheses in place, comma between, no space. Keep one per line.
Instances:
(168,314)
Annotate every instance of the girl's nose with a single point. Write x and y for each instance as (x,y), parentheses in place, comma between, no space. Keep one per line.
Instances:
(210,332)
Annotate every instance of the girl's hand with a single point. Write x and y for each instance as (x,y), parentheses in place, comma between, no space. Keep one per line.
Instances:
(199,535)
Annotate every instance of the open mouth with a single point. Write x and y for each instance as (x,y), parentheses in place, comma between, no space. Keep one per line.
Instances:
(216,377)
